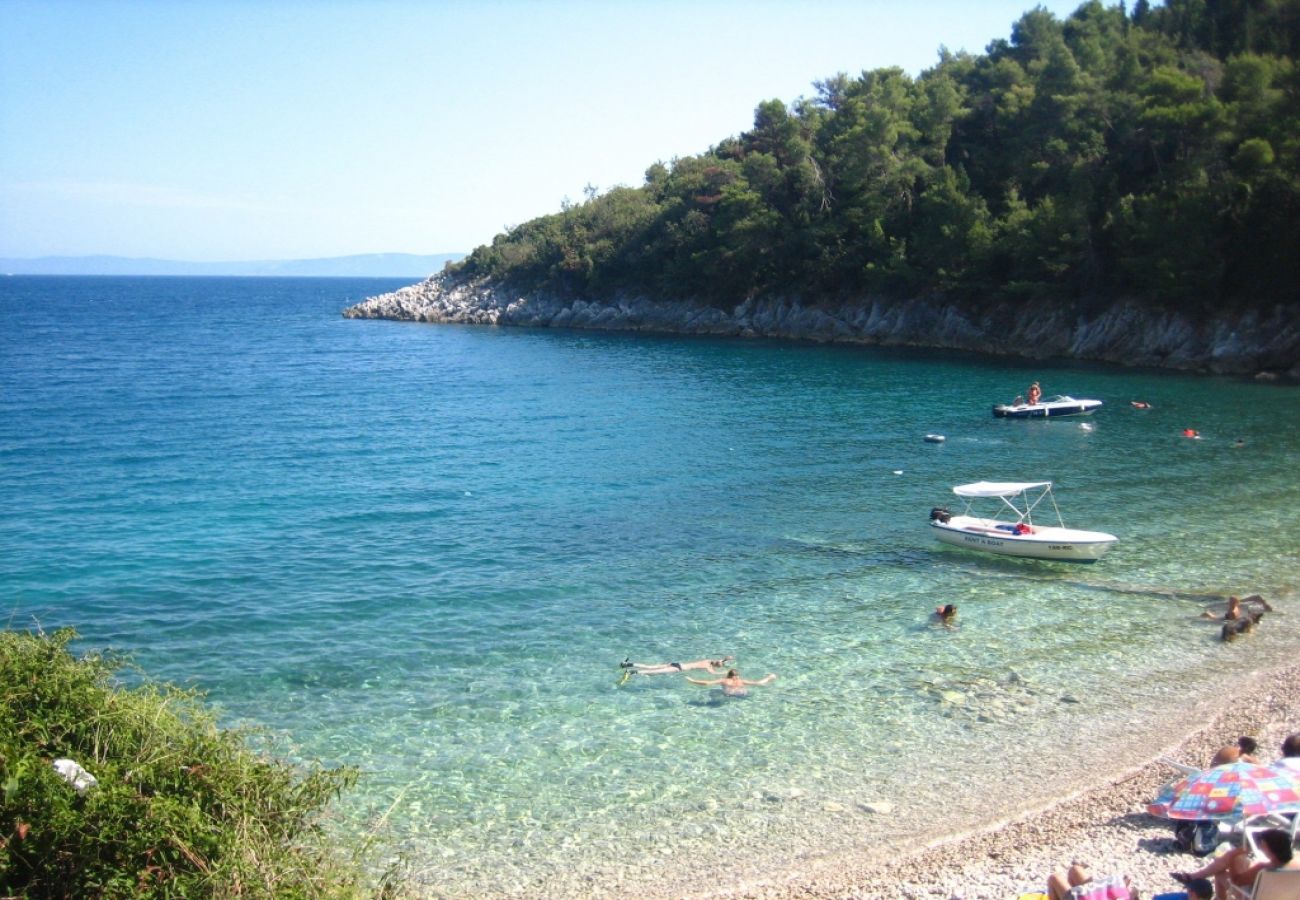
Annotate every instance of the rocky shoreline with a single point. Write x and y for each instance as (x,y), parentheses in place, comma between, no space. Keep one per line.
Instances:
(1104,825)
(1262,344)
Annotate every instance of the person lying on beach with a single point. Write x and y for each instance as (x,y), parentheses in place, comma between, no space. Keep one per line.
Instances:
(673,668)
(732,684)
(1078,884)
(1237,868)
(1242,751)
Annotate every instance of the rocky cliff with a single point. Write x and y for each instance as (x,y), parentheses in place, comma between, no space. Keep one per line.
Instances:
(1264,343)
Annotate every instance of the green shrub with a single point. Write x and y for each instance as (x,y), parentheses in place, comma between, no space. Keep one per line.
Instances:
(181,807)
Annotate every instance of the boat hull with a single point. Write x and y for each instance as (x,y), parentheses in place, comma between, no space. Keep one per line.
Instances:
(1046,410)
(1055,544)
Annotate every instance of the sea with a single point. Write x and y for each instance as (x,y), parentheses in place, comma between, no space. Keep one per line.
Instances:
(424,551)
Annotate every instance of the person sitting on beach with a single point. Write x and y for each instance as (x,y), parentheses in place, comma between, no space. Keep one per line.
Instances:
(672,668)
(1242,751)
(1236,868)
(1290,753)
(1078,884)
(732,684)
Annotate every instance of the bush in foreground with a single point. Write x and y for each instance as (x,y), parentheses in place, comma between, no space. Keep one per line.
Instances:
(181,808)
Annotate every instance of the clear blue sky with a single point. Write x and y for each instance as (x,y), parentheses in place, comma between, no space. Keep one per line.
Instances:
(240,130)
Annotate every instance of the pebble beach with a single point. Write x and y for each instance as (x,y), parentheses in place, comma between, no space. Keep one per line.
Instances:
(1104,825)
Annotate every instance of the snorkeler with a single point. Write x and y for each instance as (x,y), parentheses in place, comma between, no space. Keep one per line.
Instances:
(706,665)
(733,685)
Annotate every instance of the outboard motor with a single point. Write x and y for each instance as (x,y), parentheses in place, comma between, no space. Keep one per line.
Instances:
(940,514)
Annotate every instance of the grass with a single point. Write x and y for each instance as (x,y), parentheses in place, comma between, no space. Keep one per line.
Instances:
(181,807)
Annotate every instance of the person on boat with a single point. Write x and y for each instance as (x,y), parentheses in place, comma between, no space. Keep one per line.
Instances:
(732,684)
(1035,394)
(945,613)
(1242,751)
(1235,868)
(672,668)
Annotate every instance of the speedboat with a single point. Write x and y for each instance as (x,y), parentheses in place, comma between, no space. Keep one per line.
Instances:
(1051,408)
(1011,531)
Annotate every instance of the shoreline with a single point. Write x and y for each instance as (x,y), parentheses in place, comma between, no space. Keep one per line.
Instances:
(1263,344)
(1103,824)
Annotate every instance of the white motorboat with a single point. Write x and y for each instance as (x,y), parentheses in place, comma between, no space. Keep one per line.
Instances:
(1011,531)
(1051,408)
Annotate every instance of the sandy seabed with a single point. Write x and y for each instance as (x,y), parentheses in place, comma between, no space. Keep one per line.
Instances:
(1104,825)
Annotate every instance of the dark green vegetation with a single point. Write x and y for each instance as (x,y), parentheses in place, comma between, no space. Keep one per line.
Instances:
(181,808)
(1152,154)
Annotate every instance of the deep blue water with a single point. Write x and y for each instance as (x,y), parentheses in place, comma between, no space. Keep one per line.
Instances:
(424,549)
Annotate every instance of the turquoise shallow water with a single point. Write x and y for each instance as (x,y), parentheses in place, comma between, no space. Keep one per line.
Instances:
(423,550)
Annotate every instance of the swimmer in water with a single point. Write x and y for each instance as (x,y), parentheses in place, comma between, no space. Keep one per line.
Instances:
(733,685)
(945,613)
(706,665)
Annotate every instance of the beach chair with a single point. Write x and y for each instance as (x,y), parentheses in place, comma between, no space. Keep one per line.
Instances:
(1272,884)
(1251,827)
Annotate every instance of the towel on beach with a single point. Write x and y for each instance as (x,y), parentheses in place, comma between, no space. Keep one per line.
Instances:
(1111,887)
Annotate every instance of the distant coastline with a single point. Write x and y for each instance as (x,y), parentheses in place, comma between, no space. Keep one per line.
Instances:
(1261,343)
(365,265)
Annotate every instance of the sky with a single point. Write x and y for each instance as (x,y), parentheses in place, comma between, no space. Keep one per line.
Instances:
(214,130)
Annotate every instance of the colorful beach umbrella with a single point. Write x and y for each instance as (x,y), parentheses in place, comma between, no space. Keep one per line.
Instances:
(1228,792)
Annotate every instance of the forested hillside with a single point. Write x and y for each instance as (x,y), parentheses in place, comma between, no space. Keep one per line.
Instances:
(1151,154)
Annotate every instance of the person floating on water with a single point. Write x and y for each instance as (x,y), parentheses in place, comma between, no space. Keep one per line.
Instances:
(672,668)
(1035,394)
(946,613)
(733,685)
(1140,404)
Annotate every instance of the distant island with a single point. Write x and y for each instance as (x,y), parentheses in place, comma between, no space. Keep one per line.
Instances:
(365,265)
